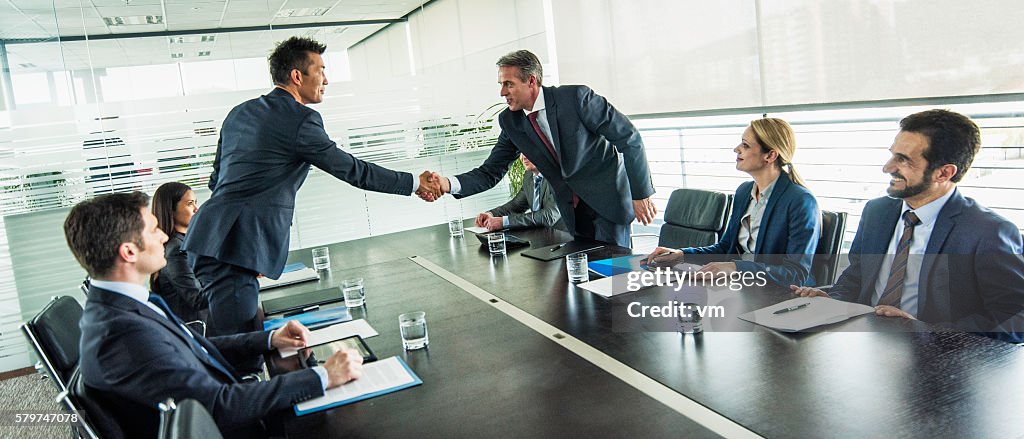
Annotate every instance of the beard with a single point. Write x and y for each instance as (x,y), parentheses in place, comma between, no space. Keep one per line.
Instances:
(909,191)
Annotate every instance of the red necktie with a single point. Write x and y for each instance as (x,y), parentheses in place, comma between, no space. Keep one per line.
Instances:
(551,149)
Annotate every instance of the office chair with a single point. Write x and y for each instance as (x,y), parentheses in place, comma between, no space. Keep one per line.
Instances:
(186,420)
(826,255)
(54,335)
(694,218)
(95,416)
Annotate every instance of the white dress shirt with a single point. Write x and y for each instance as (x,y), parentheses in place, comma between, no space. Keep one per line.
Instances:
(750,223)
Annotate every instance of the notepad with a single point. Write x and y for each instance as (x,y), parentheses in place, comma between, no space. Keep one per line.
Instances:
(379,378)
(334,332)
(314,318)
(477,230)
(291,277)
(819,311)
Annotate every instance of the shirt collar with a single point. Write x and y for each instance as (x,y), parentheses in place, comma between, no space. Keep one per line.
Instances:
(930,212)
(767,193)
(135,291)
(537,178)
(538,104)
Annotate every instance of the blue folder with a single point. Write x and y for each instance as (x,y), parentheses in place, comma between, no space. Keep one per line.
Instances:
(293,267)
(312,319)
(613,266)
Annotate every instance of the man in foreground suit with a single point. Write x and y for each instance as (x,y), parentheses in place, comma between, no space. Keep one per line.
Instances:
(950,260)
(136,353)
(590,153)
(265,150)
(533,206)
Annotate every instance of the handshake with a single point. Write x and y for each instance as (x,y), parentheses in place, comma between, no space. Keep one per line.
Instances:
(432,186)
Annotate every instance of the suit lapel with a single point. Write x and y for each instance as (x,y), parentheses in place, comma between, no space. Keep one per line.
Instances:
(742,198)
(550,107)
(780,188)
(943,226)
(882,229)
(537,152)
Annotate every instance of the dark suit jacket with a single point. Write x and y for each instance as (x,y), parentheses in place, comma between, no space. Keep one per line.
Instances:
(136,359)
(787,239)
(266,146)
(178,285)
(972,275)
(589,135)
(515,209)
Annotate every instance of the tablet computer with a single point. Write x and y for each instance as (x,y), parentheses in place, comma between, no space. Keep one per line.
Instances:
(324,351)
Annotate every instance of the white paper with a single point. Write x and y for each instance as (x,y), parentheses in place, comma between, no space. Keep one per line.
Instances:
(819,311)
(377,376)
(332,333)
(477,230)
(291,277)
(619,284)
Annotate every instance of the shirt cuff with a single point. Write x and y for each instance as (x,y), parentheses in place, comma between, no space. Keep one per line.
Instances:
(455,186)
(504,222)
(322,373)
(415,184)
(270,340)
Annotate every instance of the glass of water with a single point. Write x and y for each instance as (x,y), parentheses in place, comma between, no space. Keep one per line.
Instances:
(413,326)
(496,243)
(353,291)
(576,265)
(455,227)
(689,319)
(321,258)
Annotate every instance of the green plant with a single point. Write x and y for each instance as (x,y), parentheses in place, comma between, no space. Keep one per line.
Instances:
(516,172)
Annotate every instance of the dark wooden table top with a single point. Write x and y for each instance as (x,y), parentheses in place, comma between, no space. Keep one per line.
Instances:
(867,377)
(484,374)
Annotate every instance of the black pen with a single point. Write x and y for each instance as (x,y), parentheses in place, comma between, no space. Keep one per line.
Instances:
(792,308)
(557,247)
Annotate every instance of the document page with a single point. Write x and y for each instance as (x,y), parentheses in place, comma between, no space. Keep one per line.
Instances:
(804,313)
(334,332)
(379,378)
(292,277)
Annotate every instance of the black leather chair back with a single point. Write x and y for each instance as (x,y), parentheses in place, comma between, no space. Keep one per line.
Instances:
(95,408)
(185,420)
(54,335)
(693,218)
(826,257)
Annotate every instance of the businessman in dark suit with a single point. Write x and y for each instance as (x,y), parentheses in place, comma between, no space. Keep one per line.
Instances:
(265,150)
(533,206)
(590,153)
(927,252)
(135,352)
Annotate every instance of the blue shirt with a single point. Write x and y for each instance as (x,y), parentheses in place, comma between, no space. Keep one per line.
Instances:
(928,214)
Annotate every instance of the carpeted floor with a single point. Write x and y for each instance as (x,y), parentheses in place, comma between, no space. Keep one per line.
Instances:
(29,393)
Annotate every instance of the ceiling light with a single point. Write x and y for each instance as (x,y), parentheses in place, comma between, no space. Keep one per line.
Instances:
(134,20)
(301,12)
(190,39)
(204,53)
(177,55)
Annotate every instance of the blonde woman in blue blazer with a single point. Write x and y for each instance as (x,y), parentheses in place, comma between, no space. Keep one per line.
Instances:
(775,222)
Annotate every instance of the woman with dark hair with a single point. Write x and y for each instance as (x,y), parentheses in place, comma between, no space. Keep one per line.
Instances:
(173,205)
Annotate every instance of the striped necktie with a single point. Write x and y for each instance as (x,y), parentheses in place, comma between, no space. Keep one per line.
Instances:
(893,291)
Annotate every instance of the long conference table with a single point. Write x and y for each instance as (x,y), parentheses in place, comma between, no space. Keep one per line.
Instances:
(518,351)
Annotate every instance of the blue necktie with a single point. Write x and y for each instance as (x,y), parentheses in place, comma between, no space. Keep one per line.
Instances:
(196,346)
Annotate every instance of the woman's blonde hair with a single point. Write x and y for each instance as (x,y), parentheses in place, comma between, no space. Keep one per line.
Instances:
(776,135)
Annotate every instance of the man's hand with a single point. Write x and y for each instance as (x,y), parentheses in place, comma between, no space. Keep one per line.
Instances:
(663,256)
(644,210)
(430,188)
(495,223)
(481,219)
(892,311)
(714,268)
(291,335)
(344,366)
(807,291)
